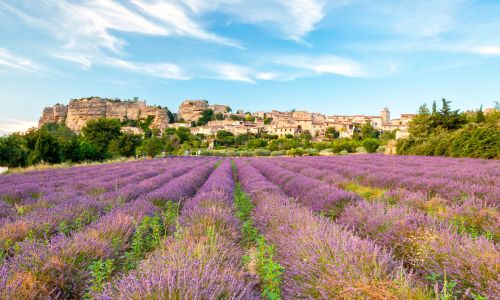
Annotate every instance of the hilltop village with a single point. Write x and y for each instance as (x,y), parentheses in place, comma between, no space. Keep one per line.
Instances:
(208,119)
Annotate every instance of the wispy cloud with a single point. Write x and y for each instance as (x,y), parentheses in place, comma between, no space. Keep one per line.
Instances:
(15,125)
(233,72)
(162,70)
(15,62)
(328,64)
(174,17)
(293,19)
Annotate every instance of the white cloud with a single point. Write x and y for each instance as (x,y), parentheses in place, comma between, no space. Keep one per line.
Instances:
(12,61)
(488,50)
(176,19)
(162,70)
(14,125)
(292,18)
(324,64)
(81,59)
(226,71)
(420,19)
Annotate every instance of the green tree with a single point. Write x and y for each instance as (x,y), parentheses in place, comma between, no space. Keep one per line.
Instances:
(225,138)
(99,133)
(206,116)
(125,145)
(480,118)
(47,148)
(13,151)
(367,131)
(152,146)
(371,144)
(331,133)
(219,116)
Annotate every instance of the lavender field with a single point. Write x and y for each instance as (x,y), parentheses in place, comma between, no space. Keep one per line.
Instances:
(341,227)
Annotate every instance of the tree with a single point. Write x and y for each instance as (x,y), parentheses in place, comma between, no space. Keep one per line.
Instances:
(480,118)
(331,133)
(47,148)
(100,132)
(172,117)
(152,147)
(219,116)
(225,138)
(423,110)
(371,145)
(367,131)
(13,151)
(206,116)
(125,145)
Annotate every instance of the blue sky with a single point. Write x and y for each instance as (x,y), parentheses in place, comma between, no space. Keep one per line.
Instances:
(337,57)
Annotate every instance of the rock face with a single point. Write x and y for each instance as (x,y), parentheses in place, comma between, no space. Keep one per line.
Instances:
(54,114)
(78,112)
(191,110)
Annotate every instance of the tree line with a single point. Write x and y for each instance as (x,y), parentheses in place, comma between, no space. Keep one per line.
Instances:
(448,132)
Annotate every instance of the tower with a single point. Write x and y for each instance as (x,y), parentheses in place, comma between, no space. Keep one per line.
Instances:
(386,116)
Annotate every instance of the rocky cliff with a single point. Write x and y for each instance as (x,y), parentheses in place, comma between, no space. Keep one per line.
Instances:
(191,110)
(76,114)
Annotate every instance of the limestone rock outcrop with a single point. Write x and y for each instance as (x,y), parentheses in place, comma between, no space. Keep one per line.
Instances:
(76,114)
(54,114)
(192,110)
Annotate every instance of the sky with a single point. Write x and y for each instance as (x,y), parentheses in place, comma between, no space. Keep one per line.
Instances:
(335,57)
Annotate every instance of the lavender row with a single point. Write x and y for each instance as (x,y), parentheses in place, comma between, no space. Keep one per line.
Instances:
(321,260)
(429,247)
(449,178)
(203,262)
(473,216)
(76,212)
(59,269)
(315,194)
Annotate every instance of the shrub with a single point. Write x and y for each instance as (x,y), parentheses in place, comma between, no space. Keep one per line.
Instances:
(295,152)
(262,152)
(312,151)
(277,153)
(371,145)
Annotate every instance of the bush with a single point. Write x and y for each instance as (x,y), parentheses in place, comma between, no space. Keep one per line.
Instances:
(230,153)
(262,152)
(348,145)
(371,145)
(247,154)
(277,153)
(295,152)
(343,152)
(312,152)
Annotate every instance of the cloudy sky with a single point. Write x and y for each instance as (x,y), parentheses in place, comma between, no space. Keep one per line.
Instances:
(338,56)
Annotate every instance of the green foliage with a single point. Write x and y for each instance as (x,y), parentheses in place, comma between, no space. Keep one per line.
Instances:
(152,146)
(367,131)
(44,146)
(100,271)
(262,152)
(150,233)
(13,151)
(296,152)
(331,133)
(268,269)
(447,132)
(99,133)
(125,145)
(225,138)
(371,145)
(344,145)
(206,116)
